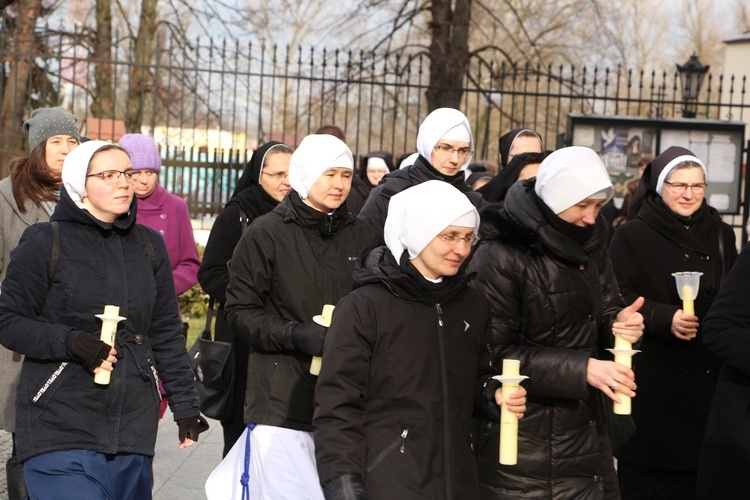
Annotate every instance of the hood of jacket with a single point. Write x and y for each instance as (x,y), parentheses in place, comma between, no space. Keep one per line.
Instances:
(378,266)
(293,209)
(68,210)
(520,221)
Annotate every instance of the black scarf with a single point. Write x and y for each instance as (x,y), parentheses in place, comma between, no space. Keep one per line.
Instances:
(576,233)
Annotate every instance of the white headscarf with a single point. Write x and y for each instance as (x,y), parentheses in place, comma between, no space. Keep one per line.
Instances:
(444,123)
(569,176)
(409,160)
(418,214)
(315,154)
(76,165)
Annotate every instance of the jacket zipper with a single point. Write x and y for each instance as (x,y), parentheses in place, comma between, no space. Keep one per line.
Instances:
(49,381)
(443,365)
(395,444)
(156,377)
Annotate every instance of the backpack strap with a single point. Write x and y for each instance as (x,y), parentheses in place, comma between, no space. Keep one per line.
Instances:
(149,246)
(55,252)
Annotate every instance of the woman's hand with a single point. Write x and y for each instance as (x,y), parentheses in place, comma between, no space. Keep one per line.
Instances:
(629,324)
(608,376)
(516,402)
(107,364)
(684,324)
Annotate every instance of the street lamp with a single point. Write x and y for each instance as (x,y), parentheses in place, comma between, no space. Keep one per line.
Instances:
(692,74)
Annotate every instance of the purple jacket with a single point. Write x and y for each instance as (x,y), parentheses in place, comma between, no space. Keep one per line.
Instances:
(169,216)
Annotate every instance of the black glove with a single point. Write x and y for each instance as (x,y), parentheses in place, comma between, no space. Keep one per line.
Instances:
(307,338)
(89,350)
(191,427)
(345,488)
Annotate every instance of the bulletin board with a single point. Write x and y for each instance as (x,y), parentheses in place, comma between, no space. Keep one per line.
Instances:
(623,141)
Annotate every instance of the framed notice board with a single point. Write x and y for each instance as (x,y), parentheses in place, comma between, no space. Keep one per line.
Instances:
(622,141)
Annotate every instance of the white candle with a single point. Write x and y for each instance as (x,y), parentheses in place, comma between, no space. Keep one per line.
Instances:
(325,319)
(688,306)
(508,420)
(623,408)
(110,318)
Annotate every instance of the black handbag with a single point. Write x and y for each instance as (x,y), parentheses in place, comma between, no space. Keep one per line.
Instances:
(214,370)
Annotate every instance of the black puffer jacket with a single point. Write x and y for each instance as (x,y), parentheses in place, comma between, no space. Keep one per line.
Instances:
(287,265)
(59,406)
(376,207)
(396,392)
(553,302)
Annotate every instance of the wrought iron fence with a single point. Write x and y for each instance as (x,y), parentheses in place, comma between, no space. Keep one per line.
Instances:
(208,103)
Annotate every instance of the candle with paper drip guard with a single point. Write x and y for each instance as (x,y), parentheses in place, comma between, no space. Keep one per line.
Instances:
(323,319)
(688,284)
(623,353)
(510,379)
(110,318)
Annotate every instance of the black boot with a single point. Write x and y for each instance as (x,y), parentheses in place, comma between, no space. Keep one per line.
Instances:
(16,482)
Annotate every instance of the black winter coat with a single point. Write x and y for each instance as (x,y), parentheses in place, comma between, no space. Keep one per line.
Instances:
(674,377)
(553,302)
(725,458)
(396,392)
(59,406)
(376,207)
(288,264)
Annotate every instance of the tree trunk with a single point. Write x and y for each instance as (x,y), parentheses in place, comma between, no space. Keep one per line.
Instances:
(103,103)
(16,87)
(449,52)
(139,75)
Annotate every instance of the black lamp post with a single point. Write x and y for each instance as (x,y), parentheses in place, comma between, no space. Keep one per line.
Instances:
(692,74)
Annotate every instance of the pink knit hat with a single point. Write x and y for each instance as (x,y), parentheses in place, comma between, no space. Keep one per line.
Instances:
(144,155)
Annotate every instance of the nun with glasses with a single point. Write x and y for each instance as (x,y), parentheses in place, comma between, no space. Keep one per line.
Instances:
(76,437)
(445,147)
(405,358)
(289,264)
(671,229)
(542,262)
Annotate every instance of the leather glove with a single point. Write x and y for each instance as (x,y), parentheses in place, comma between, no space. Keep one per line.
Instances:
(89,350)
(345,488)
(191,427)
(307,338)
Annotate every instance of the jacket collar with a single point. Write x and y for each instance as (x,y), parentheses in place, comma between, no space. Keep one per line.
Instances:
(293,209)
(520,220)
(67,210)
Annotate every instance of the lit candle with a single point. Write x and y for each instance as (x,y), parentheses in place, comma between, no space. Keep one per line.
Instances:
(508,420)
(626,359)
(110,318)
(324,319)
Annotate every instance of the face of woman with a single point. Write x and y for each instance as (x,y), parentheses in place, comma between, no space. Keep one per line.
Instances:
(105,201)
(583,213)
(274,178)
(330,190)
(146,182)
(56,149)
(444,255)
(524,144)
(374,174)
(684,203)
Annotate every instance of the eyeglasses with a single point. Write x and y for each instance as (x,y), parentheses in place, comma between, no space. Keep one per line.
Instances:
(681,187)
(449,150)
(453,240)
(277,176)
(113,176)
